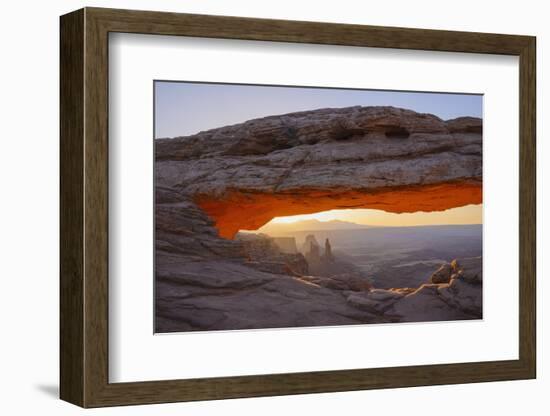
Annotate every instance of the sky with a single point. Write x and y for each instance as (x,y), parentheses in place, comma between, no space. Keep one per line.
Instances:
(183,108)
(469,214)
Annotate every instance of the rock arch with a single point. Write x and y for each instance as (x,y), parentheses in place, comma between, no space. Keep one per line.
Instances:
(211,184)
(360,157)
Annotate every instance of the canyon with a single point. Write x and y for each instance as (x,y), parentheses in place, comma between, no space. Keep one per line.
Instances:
(213,184)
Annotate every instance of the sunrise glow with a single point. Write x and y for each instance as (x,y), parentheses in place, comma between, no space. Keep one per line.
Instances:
(469,214)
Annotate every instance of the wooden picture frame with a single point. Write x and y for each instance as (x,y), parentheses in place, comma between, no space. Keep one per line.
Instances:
(84,207)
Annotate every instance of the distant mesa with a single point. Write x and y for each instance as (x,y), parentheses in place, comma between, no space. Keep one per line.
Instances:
(286,244)
(312,251)
(280,228)
(264,253)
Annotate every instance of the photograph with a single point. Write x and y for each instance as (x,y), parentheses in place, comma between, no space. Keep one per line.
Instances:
(291,206)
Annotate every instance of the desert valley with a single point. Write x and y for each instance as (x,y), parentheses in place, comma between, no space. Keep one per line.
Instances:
(222,263)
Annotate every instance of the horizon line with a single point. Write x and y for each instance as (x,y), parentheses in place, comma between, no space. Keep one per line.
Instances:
(366,225)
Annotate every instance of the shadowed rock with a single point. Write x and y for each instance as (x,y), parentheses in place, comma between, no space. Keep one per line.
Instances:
(358,157)
(212,184)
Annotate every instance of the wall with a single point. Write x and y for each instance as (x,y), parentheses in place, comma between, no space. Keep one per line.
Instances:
(29,210)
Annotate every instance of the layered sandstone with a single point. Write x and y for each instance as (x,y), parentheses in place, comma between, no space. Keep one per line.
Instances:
(460,297)
(214,183)
(325,159)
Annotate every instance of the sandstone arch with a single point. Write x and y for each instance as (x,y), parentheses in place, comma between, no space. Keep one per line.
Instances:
(210,185)
(239,210)
(360,157)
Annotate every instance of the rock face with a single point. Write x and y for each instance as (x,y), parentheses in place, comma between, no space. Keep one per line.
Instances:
(327,271)
(311,250)
(371,157)
(327,255)
(286,244)
(263,253)
(459,298)
(212,184)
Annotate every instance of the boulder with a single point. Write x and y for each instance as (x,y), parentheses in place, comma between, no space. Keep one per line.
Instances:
(442,275)
(459,298)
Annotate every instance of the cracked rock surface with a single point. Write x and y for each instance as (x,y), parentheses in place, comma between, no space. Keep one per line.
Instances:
(214,183)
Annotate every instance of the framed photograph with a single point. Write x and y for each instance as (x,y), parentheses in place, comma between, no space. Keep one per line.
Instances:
(255,207)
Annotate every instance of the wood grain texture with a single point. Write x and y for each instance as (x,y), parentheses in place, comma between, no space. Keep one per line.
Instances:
(527,207)
(84,207)
(162,23)
(72,215)
(96,218)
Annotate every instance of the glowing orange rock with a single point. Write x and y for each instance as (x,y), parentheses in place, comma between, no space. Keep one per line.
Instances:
(238,210)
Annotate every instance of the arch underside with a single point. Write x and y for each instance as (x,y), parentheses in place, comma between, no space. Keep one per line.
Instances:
(249,210)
